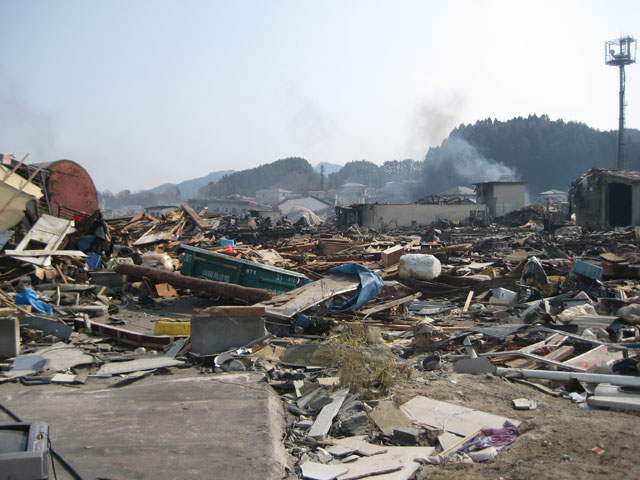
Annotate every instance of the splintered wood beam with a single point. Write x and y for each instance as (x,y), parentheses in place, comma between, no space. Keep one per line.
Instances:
(183,281)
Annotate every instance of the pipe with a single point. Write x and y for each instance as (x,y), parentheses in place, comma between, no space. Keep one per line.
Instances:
(623,380)
(183,281)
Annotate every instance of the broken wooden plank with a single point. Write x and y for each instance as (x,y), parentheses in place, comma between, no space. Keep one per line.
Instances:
(197,219)
(166,290)
(44,253)
(20,190)
(124,336)
(559,354)
(389,304)
(150,237)
(468,301)
(49,230)
(554,340)
(449,440)
(454,447)
(309,295)
(183,281)
(62,276)
(546,360)
(391,255)
(128,366)
(596,356)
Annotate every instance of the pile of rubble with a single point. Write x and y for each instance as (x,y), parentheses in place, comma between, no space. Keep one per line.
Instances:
(342,324)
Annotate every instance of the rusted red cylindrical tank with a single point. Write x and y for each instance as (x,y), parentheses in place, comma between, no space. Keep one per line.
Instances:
(70,189)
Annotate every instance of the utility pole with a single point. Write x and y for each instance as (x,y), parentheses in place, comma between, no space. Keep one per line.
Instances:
(619,53)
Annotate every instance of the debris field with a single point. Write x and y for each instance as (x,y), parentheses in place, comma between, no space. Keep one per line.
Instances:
(452,351)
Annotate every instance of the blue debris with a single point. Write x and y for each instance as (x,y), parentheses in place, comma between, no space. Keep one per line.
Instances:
(588,270)
(30,297)
(370,285)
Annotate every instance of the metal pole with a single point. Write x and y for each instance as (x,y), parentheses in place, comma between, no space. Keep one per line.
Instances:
(621,121)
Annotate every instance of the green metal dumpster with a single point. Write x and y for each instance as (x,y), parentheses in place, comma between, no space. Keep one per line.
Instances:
(201,263)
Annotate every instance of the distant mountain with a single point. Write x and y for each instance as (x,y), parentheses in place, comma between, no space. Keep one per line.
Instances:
(294,173)
(329,168)
(189,188)
(542,152)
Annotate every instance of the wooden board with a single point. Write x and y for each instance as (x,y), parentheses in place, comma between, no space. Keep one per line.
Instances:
(54,253)
(595,356)
(391,255)
(166,290)
(49,230)
(309,295)
(559,354)
(390,304)
(116,368)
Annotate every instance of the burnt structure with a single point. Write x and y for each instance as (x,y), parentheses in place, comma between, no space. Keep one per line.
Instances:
(606,198)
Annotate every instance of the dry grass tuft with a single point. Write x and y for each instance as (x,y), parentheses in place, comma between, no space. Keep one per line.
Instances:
(367,370)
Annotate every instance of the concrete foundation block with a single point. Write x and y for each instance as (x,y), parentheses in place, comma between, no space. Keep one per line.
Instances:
(219,330)
(9,337)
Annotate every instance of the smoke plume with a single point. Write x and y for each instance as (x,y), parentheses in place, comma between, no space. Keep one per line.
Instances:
(458,162)
(22,127)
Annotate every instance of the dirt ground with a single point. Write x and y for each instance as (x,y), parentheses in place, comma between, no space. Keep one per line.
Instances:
(554,441)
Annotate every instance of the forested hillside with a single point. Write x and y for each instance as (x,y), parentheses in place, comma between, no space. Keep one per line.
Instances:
(295,174)
(544,153)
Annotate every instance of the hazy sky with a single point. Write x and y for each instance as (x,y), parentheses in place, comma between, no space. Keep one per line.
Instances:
(146,92)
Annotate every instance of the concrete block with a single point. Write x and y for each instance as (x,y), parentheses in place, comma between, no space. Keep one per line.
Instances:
(216,332)
(9,337)
(108,279)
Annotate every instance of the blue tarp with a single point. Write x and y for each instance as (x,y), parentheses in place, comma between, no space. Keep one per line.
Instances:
(30,297)
(370,285)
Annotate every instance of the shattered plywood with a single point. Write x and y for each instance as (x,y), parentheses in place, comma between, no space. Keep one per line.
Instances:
(287,305)
(48,230)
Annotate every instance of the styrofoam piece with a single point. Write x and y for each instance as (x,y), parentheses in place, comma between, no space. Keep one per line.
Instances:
(483,455)
(419,266)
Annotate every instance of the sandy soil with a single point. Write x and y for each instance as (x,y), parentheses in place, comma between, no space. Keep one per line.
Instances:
(554,441)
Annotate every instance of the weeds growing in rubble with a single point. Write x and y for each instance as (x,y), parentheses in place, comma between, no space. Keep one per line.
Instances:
(369,370)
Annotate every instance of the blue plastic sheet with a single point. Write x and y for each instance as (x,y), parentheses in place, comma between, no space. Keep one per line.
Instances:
(30,297)
(94,260)
(370,285)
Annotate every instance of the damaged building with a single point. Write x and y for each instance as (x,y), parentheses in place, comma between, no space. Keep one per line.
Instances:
(385,216)
(501,197)
(606,198)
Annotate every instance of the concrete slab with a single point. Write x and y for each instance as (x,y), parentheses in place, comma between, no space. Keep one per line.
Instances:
(218,334)
(9,337)
(182,425)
